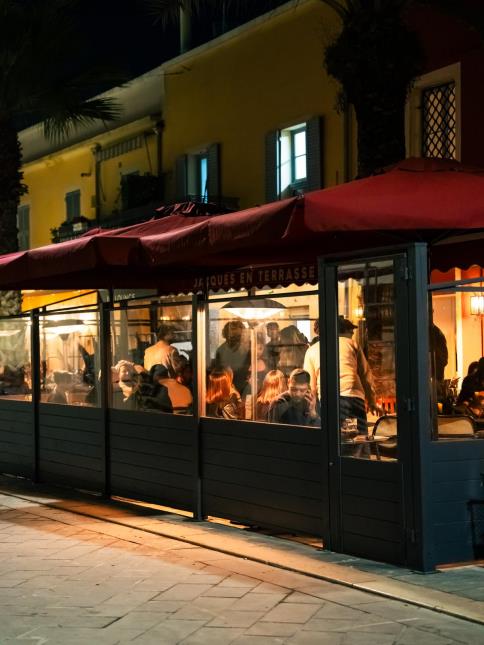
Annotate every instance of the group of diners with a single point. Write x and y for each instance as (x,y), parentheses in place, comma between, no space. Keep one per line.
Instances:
(288,376)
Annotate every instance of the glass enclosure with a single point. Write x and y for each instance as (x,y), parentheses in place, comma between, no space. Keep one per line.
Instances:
(152,362)
(262,357)
(456,338)
(69,357)
(366,348)
(15,365)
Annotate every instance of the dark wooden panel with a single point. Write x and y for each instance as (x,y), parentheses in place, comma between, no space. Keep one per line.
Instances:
(151,419)
(372,547)
(261,497)
(271,476)
(152,461)
(71,446)
(16,437)
(386,471)
(263,431)
(268,517)
(152,457)
(371,528)
(254,445)
(386,491)
(456,479)
(292,469)
(150,475)
(379,510)
(175,497)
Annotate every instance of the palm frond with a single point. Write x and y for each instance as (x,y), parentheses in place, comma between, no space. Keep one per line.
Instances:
(59,125)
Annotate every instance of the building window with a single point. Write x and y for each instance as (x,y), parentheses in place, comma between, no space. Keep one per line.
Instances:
(201,170)
(73,205)
(292,159)
(23,225)
(439,124)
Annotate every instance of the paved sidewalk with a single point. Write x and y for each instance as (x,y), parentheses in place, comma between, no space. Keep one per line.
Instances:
(457,592)
(68,579)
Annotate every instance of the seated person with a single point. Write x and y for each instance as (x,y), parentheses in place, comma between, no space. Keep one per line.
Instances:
(125,385)
(472,383)
(151,395)
(63,382)
(179,396)
(223,400)
(298,405)
(162,352)
(274,385)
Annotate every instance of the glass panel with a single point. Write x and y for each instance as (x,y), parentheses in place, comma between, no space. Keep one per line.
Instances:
(152,358)
(69,358)
(456,343)
(300,170)
(15,366)
(300,143)
(257,361)
(367,385)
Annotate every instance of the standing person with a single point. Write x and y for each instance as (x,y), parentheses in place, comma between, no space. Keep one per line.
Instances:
(293,349)
(440,357)
(298,405)
(162,352)
(273,347)
(316,333)
(234,352)
(312,366)
(355,378)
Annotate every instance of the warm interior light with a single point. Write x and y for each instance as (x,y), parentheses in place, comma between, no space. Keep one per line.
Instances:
(255,309)
(67,326)
(358,312)
(477,305)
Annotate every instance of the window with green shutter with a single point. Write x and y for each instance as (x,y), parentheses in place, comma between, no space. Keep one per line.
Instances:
(73,205)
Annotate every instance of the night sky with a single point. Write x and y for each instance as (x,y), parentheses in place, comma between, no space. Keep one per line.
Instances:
(126,34)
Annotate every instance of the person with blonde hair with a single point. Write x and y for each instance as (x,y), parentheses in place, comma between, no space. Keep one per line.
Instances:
(274,385)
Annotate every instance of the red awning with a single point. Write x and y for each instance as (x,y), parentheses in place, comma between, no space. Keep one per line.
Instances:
(417,195)
(415,200)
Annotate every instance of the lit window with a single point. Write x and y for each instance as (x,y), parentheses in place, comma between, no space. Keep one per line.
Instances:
(439,125)
(292,159)
(202,177)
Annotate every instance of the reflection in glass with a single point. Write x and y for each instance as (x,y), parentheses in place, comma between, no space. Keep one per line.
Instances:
(152,358)
(456,343)
(253,347)
(366,345)
(15,363)
(69,355)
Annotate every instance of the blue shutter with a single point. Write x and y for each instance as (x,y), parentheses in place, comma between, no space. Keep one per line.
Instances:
(213,182)
(272,142)
(314,151)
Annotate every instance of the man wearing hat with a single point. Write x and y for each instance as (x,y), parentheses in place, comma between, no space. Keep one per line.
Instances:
(355,378)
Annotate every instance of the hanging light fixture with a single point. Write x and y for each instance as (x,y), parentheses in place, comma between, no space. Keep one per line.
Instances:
(254,310)
(477,305)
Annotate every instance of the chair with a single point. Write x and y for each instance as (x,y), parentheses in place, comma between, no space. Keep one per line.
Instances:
(454,427)
(386,426)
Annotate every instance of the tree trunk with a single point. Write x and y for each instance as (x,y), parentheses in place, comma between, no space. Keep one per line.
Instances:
(11,189)
(381,134)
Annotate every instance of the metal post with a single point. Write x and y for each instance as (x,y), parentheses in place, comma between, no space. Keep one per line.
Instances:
(35,372)
(105,387)
(197,340)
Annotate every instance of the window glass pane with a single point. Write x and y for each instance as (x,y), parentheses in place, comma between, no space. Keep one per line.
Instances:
(456,342)
(366,342)
(203,177)
(253,347)
(152,358)
(15,368)
(299,142)
(300,170)
(69,355)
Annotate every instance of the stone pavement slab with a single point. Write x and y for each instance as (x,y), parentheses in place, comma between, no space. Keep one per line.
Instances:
(90,533)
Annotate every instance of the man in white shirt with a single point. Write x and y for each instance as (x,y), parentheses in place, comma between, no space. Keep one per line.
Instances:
(162,352)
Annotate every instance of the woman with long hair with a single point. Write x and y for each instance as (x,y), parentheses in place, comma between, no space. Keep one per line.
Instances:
(274,385)
(293,345)
(222,399)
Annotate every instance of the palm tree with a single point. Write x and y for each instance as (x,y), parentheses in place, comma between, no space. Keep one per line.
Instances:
(39,47)
(376,58)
